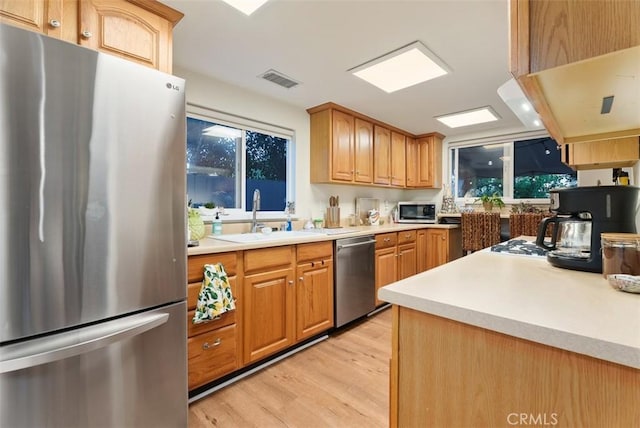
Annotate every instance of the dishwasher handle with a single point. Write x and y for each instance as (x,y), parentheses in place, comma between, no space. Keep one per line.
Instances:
(357,244)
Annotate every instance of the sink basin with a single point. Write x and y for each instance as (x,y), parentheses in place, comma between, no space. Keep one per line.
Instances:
(280,235)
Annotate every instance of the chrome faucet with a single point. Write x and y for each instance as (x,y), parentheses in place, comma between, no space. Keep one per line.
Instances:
(256,207)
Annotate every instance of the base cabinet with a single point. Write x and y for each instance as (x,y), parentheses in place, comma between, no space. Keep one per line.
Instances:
(268,302)
(314,290)
(499,378)
(213,347)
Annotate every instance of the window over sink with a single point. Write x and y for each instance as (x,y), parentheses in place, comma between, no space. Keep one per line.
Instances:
(520,168)
(229,157)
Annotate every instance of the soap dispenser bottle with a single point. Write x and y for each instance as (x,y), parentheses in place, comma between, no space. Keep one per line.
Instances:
(217,225)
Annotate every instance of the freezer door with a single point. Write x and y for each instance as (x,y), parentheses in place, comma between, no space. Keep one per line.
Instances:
(130,372)
(92,186)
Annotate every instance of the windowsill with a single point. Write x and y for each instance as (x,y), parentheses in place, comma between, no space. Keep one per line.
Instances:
(238,217)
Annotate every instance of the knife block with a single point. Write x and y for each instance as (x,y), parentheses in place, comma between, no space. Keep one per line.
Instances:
(332,219)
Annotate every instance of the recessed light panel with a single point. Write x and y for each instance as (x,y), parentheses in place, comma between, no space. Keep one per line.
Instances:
(402,68)
(469,117)
(246,6)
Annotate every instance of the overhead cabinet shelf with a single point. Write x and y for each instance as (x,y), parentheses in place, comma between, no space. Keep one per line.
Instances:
(568,55)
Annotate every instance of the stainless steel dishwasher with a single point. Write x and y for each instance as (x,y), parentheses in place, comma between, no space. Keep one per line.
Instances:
(354,278)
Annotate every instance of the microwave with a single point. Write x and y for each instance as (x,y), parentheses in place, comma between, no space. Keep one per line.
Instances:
(416,212)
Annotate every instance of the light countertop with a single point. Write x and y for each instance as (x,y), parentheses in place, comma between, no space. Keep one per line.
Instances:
(211,245)
(526,297)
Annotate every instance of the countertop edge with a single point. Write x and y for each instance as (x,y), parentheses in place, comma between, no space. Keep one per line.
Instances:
(212,246)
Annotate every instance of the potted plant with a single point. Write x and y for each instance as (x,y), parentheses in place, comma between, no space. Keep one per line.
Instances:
(208,209)
(489,201)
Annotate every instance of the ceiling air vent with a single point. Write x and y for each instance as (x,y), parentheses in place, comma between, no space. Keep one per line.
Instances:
(279,79)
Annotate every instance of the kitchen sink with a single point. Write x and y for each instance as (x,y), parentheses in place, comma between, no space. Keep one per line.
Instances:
(280,235)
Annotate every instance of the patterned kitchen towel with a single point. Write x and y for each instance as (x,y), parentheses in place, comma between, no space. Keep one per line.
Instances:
(215,296)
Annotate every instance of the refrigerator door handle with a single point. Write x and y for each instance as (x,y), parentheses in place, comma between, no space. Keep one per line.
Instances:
(48,349)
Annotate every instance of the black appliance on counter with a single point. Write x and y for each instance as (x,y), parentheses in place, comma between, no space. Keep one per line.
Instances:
(583,211)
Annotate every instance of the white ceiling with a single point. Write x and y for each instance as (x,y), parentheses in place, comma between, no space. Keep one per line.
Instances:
(315,42)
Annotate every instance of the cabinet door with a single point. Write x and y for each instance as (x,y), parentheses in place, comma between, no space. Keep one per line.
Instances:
(437,248)
(425,162)
(342,146)
(363,151)
(614,153)
(406,260)
(386,268)
(124,29)
(398,160)
(314,298)
(55,18)
(268,311)
(382,155)
(421,251)
(412,162)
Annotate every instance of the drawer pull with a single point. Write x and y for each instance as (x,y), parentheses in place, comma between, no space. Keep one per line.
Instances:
(87,34)
(206,346)
(54,23)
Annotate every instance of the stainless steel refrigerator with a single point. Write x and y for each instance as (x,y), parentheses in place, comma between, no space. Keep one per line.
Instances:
(92,239)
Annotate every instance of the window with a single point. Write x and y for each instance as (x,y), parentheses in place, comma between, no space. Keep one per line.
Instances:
(227,161)
(514,169)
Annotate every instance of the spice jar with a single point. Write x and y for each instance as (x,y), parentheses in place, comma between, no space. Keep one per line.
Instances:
(620,253)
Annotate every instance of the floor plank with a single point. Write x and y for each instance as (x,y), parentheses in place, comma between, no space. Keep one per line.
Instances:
(340,382)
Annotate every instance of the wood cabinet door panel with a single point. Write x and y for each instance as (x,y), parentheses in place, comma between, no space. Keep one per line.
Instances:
(28,14)
(212,355)
(382,155)
(268,320)
(386,268)
(398,160)
(126,30)
(314,298)
(425,162)
(437,248)
(363,151)
(342,152)
(406,260)
(421,250)
(412,162)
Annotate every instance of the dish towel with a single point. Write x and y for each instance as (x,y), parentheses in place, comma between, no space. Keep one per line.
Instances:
(215,296)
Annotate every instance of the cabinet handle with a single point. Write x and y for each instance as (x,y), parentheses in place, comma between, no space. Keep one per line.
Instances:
(313,264)
(54,23)
(206,346)
(322,262)
(87,34)
(290,282)
(301,278)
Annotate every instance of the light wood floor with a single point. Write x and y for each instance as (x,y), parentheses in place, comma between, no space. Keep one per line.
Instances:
(340,382)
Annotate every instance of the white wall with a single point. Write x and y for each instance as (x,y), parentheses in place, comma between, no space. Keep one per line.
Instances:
(311,199)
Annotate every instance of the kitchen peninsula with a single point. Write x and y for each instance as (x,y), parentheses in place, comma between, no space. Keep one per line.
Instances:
(497,340)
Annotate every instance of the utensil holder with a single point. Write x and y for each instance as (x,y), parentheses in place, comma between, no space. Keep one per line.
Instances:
(332,219)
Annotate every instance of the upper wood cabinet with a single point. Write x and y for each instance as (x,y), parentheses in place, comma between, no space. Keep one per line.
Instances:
(398,159)
(341,147)
(350,148)
(424,161)
(389,166)
(382,155)
(567,55)
(363,156)
(615,153)
(137,30)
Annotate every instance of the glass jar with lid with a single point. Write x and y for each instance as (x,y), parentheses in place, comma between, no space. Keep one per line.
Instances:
(620,253)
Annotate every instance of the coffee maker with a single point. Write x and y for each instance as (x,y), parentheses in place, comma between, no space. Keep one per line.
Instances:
(581,215)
